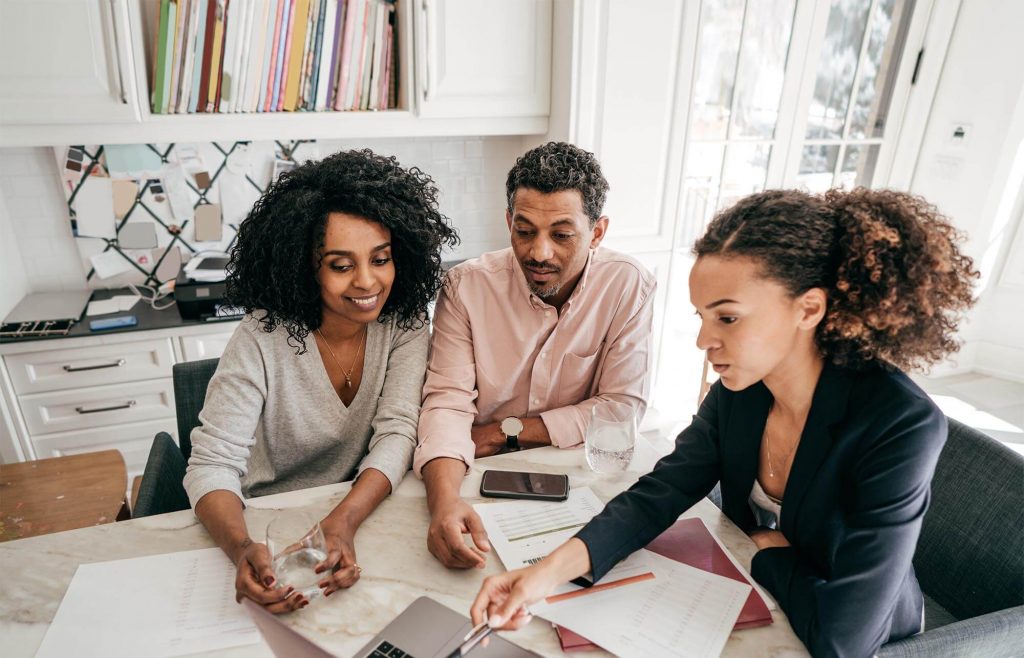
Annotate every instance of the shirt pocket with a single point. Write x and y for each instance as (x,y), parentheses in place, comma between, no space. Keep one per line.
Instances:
(576,377)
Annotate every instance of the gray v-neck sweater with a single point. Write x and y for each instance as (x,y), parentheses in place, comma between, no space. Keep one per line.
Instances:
(272,421)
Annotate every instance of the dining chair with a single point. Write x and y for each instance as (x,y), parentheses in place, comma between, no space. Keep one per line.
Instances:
(161,489)
(970,555)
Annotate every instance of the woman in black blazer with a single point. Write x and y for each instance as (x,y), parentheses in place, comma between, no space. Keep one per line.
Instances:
(811,307)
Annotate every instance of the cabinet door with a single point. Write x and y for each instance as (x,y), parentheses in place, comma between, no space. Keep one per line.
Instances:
(206,346)
(483,58)
(65,61)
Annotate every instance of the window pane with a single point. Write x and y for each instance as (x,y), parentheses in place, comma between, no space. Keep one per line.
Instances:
(817,166)
(762,67)
(746,167)
(720,24)
(700,193)
(837,67)
(858,165)
(878,70)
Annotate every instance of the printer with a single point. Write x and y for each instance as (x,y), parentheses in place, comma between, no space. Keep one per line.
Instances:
(199,289)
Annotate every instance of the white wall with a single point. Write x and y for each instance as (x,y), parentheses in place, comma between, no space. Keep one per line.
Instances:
(38,253)
(977,183)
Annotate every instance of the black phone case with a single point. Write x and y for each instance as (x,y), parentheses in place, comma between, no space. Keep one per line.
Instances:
(498,493)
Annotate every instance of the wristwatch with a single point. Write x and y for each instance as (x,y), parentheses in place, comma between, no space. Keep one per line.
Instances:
(511,427)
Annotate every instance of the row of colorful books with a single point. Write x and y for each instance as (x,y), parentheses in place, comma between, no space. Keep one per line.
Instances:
(275,55)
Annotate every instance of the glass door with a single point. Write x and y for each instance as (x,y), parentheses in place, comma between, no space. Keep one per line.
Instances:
(785,93)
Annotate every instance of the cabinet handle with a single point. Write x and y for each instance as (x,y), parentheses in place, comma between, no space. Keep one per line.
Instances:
(116,364)
(427,45)
(117,51)
(127,405)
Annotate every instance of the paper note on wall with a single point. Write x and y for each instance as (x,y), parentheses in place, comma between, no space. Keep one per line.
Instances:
(94,208)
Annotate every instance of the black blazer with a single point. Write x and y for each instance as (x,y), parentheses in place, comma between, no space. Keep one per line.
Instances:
(852,508)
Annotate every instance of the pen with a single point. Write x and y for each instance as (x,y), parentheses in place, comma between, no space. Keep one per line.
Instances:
(473,638)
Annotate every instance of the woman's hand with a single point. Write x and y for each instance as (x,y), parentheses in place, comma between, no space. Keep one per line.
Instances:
(503,599)
(255,580)
(765,538)
(340,568)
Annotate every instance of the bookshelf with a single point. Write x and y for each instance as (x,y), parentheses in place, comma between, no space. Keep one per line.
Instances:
(502,89)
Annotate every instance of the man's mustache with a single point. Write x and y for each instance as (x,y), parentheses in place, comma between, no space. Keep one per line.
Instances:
(541,266)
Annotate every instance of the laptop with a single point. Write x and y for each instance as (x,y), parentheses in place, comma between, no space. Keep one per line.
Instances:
(426,629)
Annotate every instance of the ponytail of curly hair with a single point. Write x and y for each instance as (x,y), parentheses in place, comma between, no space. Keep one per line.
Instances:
(896,281)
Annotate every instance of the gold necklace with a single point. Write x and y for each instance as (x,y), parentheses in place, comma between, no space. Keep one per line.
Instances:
(351,368)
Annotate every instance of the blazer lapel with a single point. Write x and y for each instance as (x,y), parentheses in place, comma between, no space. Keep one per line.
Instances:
(741,448)
(828,406)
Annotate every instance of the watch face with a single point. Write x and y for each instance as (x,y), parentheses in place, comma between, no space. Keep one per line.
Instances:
(511,426)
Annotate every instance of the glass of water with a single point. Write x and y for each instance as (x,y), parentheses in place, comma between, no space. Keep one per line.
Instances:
(296,544)
(611,437)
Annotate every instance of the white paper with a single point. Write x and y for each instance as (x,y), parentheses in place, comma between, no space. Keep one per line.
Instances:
(681,612)
(115,304)
(94,208)
(109,263)
(523,532)
(161,605)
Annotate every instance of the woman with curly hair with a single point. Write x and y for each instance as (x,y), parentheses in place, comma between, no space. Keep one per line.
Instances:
(811,307)
(335,268)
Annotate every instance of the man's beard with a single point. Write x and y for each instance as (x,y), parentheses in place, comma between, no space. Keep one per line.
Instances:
(545,292)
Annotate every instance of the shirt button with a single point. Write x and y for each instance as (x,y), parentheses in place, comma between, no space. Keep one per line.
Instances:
(536,401)
(543,355)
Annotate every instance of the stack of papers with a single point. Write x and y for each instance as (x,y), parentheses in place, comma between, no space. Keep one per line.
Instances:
(161,605)
(646,605)
(115,304)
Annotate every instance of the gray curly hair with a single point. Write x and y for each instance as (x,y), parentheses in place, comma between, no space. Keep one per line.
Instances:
(558,166)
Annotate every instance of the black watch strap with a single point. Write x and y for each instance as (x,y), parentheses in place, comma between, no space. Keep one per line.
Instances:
(511,442)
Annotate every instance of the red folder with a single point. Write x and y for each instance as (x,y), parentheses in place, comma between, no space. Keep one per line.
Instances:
(689,541)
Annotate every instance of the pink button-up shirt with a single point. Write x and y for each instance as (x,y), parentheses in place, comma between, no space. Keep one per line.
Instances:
(498,350)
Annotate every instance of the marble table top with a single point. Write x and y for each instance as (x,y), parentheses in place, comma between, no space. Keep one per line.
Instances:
(391,548)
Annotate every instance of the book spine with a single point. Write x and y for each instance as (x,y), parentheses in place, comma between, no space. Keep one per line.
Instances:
(197,57)
(318,45)
(266,95)
(296,48)
(204,80)
(189,63)
(339,42)
(282,49)
(161,56)
(345,65)
(323,73)
(366,66)
(179,42)
(172,24)
(259,39)
(385,83)
(216,60)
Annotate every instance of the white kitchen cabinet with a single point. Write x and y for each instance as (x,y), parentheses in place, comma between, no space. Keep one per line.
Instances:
(81,394)
(65,62)
(483,58)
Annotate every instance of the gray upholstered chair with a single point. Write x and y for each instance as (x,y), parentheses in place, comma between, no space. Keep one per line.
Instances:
(160,490)
(970,556)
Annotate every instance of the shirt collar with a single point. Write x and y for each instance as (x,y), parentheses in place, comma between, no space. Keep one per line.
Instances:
(536,301)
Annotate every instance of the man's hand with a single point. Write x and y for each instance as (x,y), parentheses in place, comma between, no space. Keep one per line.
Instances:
(448,522)
(765,538)
(489,439)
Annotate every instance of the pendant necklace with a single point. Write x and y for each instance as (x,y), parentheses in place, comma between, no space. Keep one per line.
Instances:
(347,374)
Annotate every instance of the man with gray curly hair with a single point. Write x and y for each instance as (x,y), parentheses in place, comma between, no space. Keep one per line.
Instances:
(531,338)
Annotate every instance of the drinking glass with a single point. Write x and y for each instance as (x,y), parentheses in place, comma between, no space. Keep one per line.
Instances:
(296,544)
(611,437)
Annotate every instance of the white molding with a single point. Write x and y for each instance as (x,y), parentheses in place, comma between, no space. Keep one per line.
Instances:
(166,129)
(997,360)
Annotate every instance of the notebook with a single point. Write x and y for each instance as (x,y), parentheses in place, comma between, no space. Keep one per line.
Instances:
(689,541)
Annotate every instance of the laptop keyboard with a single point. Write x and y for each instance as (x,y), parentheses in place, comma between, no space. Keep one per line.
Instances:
(388,650)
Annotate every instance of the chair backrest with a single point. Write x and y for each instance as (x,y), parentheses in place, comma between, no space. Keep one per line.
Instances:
(161,489)
(190,381)
(970,556)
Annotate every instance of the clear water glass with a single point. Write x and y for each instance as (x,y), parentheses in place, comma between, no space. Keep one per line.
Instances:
(611,437)
(296,544)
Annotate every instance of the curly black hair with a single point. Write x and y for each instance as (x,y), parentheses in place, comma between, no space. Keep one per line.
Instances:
(896,280)
(558,166)
(276,256)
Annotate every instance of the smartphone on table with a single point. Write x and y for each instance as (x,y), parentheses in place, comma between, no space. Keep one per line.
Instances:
(529,486)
